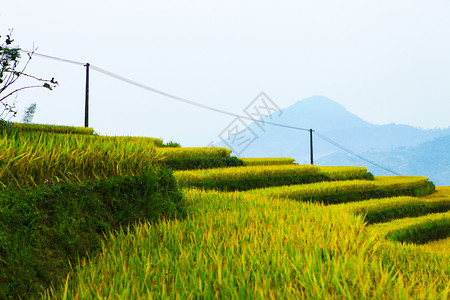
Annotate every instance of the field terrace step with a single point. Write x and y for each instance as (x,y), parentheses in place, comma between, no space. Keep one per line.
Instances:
(252,177)
(388,209)
(389,230)
(197,158)
(441,246)
(352,190)
(254,161)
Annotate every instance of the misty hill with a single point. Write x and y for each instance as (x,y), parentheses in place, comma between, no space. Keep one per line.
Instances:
(430,159)
(332,120)
(317,112)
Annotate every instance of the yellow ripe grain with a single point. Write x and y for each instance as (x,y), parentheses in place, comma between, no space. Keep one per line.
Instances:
(330,188)
(267,161)
(50,157)
(384,229)
(191,176)
(182,153)
(234,245)
(440,247)
(441,196)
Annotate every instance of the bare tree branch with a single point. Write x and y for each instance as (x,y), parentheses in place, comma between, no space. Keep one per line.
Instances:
(9,74)
(20,89)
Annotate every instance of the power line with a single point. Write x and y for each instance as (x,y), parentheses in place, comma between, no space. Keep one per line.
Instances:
(55,58)
(121,78)
(140,85)
(181,99)
(353,153)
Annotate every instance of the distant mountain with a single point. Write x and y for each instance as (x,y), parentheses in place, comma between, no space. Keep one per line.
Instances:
(320,113)
(331,120)
(430,159)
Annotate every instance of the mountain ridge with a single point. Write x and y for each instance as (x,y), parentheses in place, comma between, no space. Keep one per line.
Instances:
(329,119)
(430,159)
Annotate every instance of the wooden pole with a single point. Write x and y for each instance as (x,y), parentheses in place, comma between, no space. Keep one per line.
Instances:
(86,106)
(311,145)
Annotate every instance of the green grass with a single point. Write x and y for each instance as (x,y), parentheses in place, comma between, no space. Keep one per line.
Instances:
(40,229)
(196,163)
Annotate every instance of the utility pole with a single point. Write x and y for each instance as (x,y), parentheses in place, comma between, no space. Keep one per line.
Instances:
(86,106)
(311,145)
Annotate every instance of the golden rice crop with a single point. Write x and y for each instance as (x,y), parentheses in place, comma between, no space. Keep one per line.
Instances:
(51,128)
(416,263)
(384,229)
(441,196)
(193,176)
(195,152)
(333,187)
(267,161)
(407,258)
(336,173)
(32,159)
(442,193)
(440,247)
(236,246)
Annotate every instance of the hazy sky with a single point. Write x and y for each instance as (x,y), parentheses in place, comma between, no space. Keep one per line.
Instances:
(387,61)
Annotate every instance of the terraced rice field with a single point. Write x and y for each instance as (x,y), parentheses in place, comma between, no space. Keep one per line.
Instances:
(280,242)
(269,229)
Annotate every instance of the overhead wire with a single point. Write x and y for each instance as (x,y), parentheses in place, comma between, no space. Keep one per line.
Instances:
(336,144)
(54,58)
(181,99)
(143,86)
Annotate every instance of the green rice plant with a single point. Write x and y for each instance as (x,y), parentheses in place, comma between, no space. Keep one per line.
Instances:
(197,158)
(267,161)
(251,177)
(196,163)
(171,144)
(352,190)
(424,233)
(35,158)
(241,246)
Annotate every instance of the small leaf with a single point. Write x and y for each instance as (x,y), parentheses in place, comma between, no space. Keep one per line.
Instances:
(47,86)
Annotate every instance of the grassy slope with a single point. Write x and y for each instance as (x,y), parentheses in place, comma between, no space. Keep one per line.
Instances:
(248,246)
(253,246)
